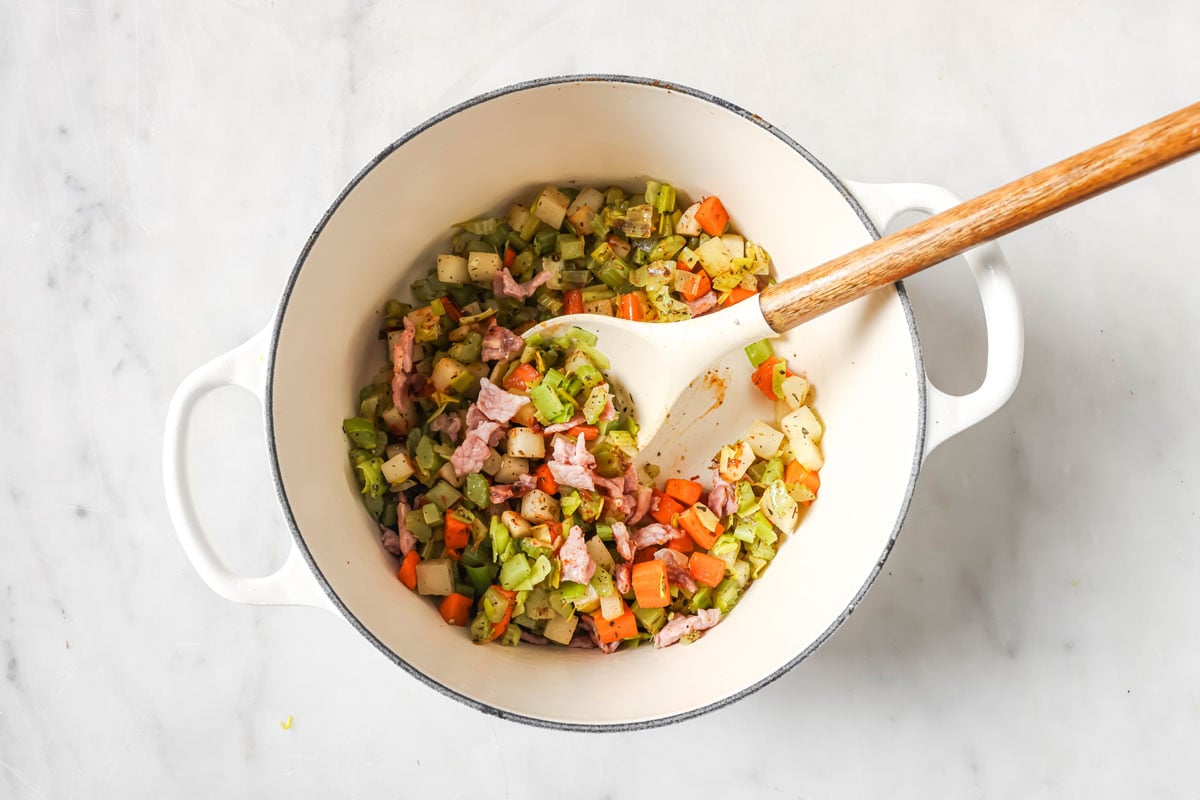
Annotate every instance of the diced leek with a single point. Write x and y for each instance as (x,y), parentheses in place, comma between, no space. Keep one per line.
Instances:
(595,404)
(665,201)
(604,532)
(652,619)
(602,582)
(726,548)
(370,478)
(701,599)
(476,490)
(443,494)
(360,431)
(541,569)
(726,595)
(759,352)
(666,247)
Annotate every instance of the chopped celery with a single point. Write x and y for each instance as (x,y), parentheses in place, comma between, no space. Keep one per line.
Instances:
(479,227)
(652,619)
(540,570)
(561,605)
(726,548)
(360,431)
(568,246)
(418,527)
(595,404)
(431,515)
(443,494)
(523,262)
(778,375)
(666,248)
(759,352)
(511,636)
(515,571)
(701,599)
(549,408)
(604,532)
(726,595)
(500,537)
(569,501)
(613,273)
(493,605)
(426,458)
(747,502)
(664,202)
(476,490)
(370,478)
(572,591)
(602,582)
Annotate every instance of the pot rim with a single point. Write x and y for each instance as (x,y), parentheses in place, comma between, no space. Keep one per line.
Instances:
(294,528)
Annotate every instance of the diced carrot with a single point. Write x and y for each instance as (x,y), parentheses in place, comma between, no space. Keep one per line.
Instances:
(679,265)
(682,543)
(545,479)
(521,377)
(697,286)
(763,376)
(500,627)
(456,609)
(614,630)
(510,256)
(452,310)
(690,522)
(457,532)
(427,390)
(706,569)
(686,492)
(408,569)
(629,306)
(668,507)
(590,432)
(650,584)
(452,554)
(794,473)
(737,295)
(573,301)
(712,216)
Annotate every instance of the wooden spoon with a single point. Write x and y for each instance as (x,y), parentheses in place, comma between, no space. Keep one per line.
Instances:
(652,363)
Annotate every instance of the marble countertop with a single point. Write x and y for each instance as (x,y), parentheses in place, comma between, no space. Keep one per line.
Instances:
(1033,634)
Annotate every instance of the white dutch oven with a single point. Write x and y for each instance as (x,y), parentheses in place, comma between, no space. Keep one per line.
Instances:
(882,415)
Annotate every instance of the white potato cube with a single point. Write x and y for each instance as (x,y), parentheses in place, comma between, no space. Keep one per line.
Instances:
(735,244)
(714,257)
(561,629)
(482,266)
(398,468)
(550,207)
(435,576)
(764,440)
(491,464)
(537,506)
(452,269)
(735,460)
(450,476)
(445,371)
(802,424)
(518,215)
(795,391)
(511,468)
(517,525)
(525,443)
(612,606)
(687,225)
(600,554)
(807,453)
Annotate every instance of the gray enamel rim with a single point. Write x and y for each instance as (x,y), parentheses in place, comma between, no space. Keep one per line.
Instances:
(433,683)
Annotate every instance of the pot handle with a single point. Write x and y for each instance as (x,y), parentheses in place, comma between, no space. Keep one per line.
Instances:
(949,414)
(292,583)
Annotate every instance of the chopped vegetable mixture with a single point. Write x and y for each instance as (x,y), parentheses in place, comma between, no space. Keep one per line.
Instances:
(499,466)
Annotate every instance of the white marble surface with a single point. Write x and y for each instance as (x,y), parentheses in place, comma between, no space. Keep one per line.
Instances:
(1034,634)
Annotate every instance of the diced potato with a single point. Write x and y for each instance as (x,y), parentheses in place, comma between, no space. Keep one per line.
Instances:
(735,244)
(587,197)
(511,468)
(707,518)
(583,208)
(398,468)
(478,369)
(735,460)
(452,269)
(554,265)
(391,450)
(537,506)
(602,306)
(589,602)
(600,554)
(807,453)
(491,464)
(435,576)
(550,207)
(451,477)
(795,391)
(525,443)
(526,415)
(714,257)
(542,534)
(537,605)
(802,424)
(399,420)
(561,629)
(445,371)
(612,606)
(763,439)
(687,225)
(518,215)
(482,266)
(517,525)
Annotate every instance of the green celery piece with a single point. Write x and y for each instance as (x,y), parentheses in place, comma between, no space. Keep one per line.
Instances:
(465,588)
(418,527)
(747,502)
(515,572)
(652,190)
(500,537)
(701,599)
(588,375)
(726,595)
(469,350)
(476,490)
(523,262)
(594,407)
(540,570)
(666,248)
(370,478)
(425,457)
(726,548)
(543,242)
(481,629)
(614,195)
(443,494)
(390,516)
(360,431)
(652,619)
(604,532)
(568,246)
(569,500)
(602,582)
(759,352)
(580,335)
(778,375)
(479,227)
(572,591)
(598,358)
(664,201)
(493,605)
(511,636)
(773,471)
(549,408)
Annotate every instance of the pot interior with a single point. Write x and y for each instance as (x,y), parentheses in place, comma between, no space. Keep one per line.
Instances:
(862,360)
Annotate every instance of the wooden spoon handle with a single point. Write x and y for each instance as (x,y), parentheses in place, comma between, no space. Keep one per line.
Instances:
(931,241)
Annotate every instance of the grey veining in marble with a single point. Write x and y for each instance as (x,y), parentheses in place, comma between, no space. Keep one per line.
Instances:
(161,164)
